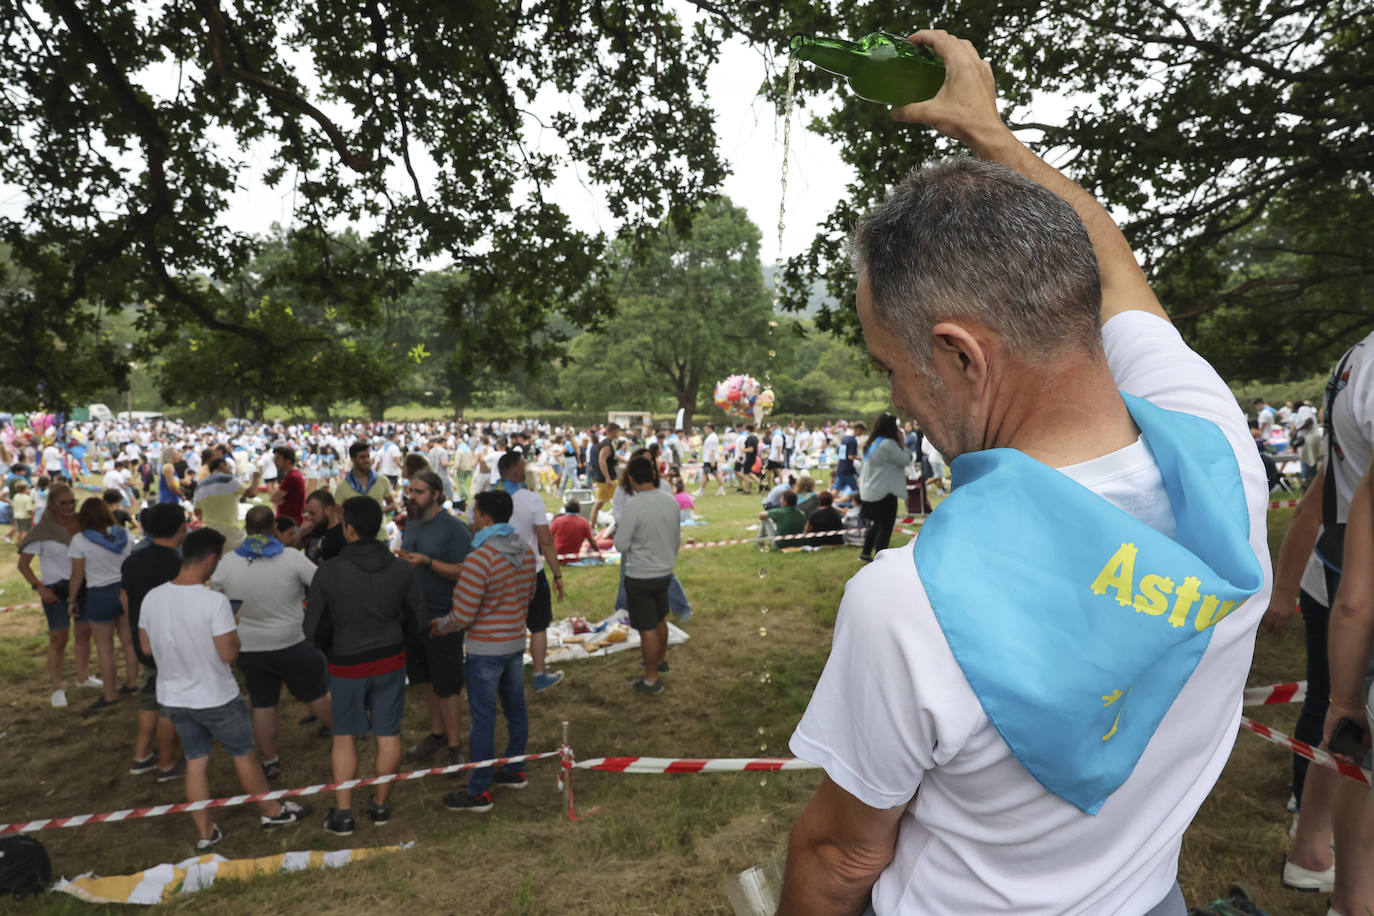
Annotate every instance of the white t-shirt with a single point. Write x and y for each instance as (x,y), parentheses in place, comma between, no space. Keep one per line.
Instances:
(776,446)
(102,564)
(1352,422)
(272,591)
(389,464)
(710,449)
(113,480)
(182,622)
(54,565)
(529,512)
(52,459)
(893,711)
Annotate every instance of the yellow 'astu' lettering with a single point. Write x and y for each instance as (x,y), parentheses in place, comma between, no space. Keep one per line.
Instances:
(1119,575)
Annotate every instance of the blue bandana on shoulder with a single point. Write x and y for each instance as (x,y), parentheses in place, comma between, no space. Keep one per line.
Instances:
(1076,624)
(491,531)
(352,479)
(508,486)
(259,545)
(114,541)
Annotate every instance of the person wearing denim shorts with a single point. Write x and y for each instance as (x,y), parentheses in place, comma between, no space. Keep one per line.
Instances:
(192,633)
(362,605)
(48,541)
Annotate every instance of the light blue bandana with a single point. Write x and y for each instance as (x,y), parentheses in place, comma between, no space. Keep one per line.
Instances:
(491,531)
(259,545)
(1076,624)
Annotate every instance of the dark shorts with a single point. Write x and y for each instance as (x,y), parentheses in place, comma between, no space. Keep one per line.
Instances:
(102,604)
(302,668)
(56,612)
(647,601)
(376,704)
(147,694)
(436,660)
(774,466)
(228,724)
(395,480)
(541,605)
(708,467)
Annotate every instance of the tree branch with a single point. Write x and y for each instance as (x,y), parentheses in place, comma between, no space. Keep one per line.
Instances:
(219,35)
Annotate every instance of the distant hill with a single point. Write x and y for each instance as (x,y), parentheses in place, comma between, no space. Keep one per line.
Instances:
(818,297)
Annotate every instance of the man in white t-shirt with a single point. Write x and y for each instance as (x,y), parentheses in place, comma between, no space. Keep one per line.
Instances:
(389,460)
(271,580)
(52,459)
(531,521)
(1347,551)
(191,631)
(1009,342)
(710,457)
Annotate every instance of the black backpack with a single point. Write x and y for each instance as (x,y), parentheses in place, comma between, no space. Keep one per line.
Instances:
(24,866)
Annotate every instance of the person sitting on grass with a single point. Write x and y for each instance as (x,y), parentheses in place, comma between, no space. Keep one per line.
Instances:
(490,601)
(570,531)
(785,520)
(191,631)
(363,604)
(825,519)
(806,495)
(774,498)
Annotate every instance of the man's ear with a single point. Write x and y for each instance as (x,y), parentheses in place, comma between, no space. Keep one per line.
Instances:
(962,352)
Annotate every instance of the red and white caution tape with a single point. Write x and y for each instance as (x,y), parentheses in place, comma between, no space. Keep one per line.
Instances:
(128,814)
(1278,693)
(695,545)
(693,765)
(1303,749)
(20,607)
(1284,504)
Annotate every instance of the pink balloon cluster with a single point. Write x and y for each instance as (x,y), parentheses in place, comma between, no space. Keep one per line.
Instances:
(742,396)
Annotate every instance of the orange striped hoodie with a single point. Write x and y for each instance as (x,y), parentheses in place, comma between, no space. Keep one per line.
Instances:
(491,598)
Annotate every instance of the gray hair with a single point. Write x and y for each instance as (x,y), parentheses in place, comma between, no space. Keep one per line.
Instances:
(965,238)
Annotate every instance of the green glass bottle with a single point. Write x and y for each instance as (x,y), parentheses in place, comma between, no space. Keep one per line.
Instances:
(880,67)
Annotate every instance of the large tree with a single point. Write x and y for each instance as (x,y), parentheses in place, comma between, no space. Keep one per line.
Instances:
(691,310)
(127,126)
(1196,122)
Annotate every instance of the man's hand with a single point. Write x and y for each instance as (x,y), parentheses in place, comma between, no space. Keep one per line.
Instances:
(433,629)
(1335,712)
(46,595)
(417,560)
(965,108)
(558,586)
(1275,619)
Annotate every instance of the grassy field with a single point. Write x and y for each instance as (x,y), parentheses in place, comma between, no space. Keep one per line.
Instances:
(659,844)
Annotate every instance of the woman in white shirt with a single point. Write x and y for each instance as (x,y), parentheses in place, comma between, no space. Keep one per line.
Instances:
(97,553)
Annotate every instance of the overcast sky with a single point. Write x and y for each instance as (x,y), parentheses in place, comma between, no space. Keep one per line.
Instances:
(749,131)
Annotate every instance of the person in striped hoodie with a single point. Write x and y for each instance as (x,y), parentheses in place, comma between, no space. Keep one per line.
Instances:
(490,601)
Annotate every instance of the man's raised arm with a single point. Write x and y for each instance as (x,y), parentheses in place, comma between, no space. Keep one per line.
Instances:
(965,109)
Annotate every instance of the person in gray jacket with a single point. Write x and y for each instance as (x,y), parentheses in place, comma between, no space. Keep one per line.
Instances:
(648,535)
(882,481)
(363,604)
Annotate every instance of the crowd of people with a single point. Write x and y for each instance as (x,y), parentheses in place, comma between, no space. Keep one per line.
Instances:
(1021,712)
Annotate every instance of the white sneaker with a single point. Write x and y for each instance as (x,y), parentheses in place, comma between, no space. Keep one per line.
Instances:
(93,682)
(59,698)
(1298,878)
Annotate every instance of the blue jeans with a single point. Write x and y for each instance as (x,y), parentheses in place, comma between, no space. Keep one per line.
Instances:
(677,598)
(489,678)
